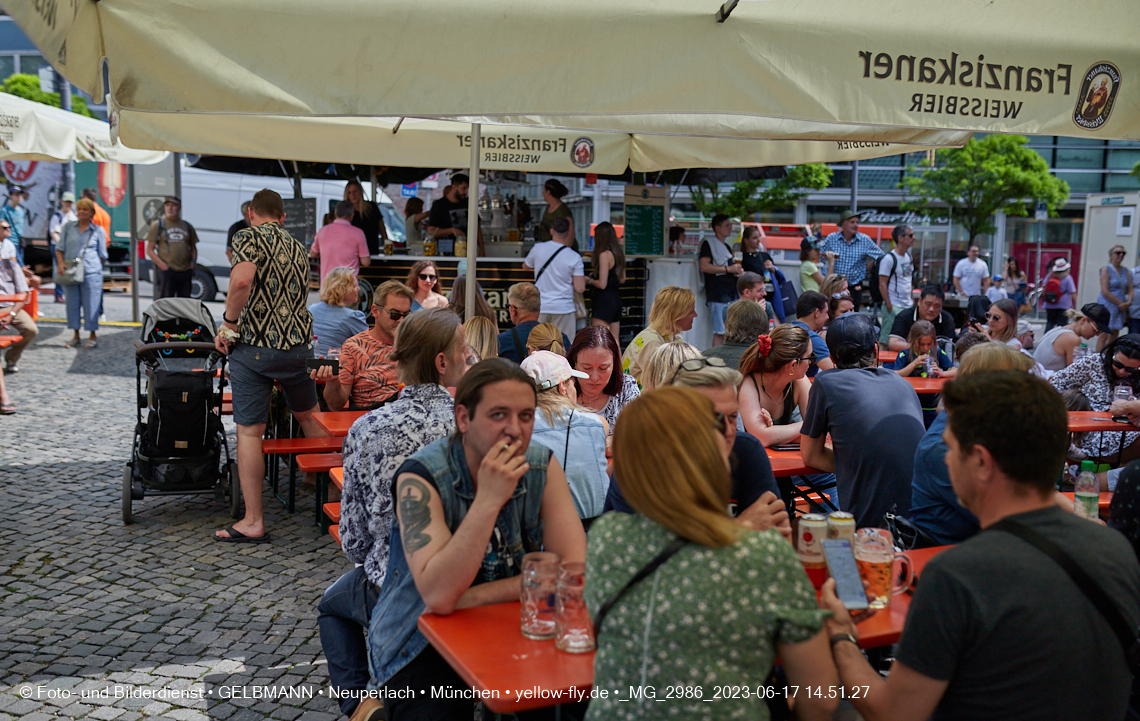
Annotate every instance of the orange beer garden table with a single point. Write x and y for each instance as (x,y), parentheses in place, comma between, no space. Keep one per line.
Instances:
(487,650)
(888,356)
(337,423)
(926,385)
(1090,421)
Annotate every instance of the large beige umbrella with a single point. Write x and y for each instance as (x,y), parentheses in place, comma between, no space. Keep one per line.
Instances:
(1018,66)
(34,131)
(447,144)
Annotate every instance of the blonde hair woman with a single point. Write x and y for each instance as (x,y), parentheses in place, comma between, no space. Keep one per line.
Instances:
(546,336)
(483,336)
(1055,351)
(663,363)
(674,310)
(672,465)
(335,320)
(834,286)
(1115,293)
(576,435)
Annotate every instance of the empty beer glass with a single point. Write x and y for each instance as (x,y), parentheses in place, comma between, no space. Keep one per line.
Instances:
(539,594)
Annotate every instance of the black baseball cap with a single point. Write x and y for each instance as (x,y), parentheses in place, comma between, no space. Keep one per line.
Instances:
(1098,314)
(854,331)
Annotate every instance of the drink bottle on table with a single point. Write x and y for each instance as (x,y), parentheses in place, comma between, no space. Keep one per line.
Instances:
(1086,492)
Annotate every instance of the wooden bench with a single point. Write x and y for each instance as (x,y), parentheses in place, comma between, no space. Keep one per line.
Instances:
(31,307)
(334,531)
(332,510)
(321,464)
(336,475)
(292,447)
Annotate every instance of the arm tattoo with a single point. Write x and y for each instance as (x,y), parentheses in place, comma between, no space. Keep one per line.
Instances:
(415,515)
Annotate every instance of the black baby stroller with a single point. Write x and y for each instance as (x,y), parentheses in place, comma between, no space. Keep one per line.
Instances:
(179,447)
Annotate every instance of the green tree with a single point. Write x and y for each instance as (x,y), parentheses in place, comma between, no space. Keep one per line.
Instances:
(758,196)
(27,86)
(995,173)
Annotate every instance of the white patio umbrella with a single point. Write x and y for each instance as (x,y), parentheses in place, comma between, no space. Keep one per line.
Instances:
(34,131)
(1017,66)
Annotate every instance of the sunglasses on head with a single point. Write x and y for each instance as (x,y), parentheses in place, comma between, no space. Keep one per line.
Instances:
(427,276)
(695,364)
(396,314)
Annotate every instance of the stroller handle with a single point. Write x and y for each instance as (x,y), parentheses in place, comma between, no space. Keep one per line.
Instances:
(144,350)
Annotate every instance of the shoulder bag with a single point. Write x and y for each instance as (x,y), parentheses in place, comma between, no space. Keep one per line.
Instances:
(1124,631)
(547,264)
(72,271)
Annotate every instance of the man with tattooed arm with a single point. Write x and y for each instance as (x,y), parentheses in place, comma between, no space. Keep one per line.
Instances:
(468,508)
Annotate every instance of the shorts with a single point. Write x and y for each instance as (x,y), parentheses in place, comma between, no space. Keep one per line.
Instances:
(252,373)
(889,322)
(718,312)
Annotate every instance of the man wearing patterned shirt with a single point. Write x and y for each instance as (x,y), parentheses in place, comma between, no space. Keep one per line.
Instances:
(851,249)
(367,377)
(429,355)
(265,310)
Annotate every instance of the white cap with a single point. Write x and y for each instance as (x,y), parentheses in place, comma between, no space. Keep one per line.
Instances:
(549,369)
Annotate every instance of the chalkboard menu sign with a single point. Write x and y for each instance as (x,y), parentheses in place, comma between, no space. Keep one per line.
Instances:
(645,220)
(301,218)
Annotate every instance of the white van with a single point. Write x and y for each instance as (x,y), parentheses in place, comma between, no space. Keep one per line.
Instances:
(211,202)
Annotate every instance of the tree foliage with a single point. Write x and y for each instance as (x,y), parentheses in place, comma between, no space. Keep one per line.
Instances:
(995,173)
(752,196)
(26,86)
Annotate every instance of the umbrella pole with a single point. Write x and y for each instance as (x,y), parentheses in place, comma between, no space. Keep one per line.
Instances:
(472,223)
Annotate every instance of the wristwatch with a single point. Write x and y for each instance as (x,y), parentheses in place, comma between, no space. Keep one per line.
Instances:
(843,637)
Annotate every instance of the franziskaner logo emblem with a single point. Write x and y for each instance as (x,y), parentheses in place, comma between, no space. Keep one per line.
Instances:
(1097,96)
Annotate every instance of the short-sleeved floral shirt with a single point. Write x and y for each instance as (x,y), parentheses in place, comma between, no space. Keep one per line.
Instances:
(275,316)
(707,617)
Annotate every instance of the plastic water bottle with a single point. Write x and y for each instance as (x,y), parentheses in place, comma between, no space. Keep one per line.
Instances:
(929,367)
(316,348)
(1087,493)
(1080,351)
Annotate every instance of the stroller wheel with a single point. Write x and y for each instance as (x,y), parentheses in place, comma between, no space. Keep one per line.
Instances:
(235,490)
(128,474)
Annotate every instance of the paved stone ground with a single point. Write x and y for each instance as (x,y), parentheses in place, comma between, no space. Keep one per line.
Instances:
(90,607)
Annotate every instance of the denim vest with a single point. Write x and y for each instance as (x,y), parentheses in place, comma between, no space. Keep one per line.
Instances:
(393,638)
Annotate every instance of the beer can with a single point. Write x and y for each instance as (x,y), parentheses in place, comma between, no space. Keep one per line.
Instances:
(841,524)
(809,535)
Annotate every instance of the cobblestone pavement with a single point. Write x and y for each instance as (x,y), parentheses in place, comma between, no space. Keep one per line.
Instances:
(105,621)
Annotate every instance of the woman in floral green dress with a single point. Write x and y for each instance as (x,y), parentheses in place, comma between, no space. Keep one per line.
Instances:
(705,628)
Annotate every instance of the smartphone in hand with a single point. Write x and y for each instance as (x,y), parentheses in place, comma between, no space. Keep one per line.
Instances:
(841,565)
(316,363)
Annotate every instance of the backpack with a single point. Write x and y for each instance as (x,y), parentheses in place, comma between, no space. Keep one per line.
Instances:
(878,269)
(1052,292)
(181,422)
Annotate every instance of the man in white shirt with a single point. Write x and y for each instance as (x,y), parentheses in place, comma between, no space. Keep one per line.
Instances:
(896,273)
(558,274)
(972,275)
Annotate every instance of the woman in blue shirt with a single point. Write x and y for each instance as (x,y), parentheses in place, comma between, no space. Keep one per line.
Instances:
(335,320)
(86,242)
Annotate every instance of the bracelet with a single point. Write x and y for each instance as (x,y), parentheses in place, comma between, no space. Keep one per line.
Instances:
(844,637)
(227,320)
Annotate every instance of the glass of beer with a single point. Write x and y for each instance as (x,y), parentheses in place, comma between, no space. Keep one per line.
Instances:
(539,594)
(875,556)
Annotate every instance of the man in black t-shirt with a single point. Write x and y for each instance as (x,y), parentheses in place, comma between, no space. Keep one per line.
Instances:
(929,308)
(240,225)
(448,216)
(994,617)
(720,272)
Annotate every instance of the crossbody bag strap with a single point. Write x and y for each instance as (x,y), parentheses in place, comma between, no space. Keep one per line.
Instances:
(566,450)
(1092,590)
(547,263)
(523,351)
(666,553)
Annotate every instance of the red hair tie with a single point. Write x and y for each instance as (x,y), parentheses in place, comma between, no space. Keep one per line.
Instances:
(764,345)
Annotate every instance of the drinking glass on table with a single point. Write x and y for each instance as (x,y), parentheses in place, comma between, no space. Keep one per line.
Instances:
(574,629)
(539,594)
(333,353)
(875,555)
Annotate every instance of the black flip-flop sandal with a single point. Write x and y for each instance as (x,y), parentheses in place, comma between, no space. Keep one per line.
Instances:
(237,536)
(7,409)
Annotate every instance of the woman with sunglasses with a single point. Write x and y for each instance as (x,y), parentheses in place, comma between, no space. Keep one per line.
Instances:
(775,391)
(1115,293)
(1097,375)
(1002,323)
(672,465)
(423,279)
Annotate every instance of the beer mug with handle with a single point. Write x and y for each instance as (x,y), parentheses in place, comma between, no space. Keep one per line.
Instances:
(875,555)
